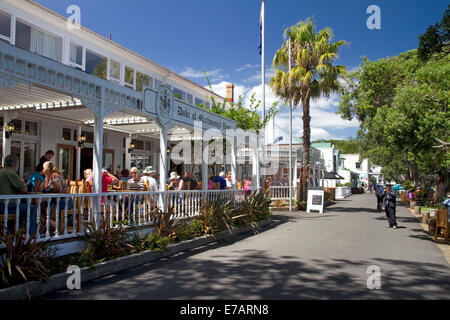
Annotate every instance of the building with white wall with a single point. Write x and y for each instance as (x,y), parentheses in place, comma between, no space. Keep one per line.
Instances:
(30,26)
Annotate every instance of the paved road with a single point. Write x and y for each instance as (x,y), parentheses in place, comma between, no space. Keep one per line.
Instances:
(299,256)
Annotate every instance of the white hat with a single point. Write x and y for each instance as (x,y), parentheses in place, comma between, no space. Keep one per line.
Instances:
(174,175)
(148,170)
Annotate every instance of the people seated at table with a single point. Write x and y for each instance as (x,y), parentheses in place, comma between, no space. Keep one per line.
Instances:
(107,180)
(36,177)
(229,183)
(148,178)
(211,185)
(88,175)
(247,185)
(135,183)
(193,185)
(11,184)
(174,179)
(221,180)
(125,174)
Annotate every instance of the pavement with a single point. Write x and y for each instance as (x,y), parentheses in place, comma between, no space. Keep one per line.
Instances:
(297,256)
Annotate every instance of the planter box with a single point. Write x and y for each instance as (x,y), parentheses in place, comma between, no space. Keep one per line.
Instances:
(59,281)
(425,217)
(412,204)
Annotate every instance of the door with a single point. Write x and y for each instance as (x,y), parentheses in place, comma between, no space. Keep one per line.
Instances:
(66,161)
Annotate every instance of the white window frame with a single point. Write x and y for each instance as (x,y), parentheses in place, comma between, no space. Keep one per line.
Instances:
(83,55)
(11,29)
(126,84)
(121,70)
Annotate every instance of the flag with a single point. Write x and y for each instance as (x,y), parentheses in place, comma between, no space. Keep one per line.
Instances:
(260,29)
(277,139)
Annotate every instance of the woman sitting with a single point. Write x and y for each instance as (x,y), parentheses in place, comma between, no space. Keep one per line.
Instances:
(54,183)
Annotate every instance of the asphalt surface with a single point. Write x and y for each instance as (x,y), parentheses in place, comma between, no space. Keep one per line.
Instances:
(298,256)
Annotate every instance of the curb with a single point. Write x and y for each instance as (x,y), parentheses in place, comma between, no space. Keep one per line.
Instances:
(58,281)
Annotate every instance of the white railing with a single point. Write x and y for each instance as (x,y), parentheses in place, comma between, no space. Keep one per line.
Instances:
(76,210)
(281,192)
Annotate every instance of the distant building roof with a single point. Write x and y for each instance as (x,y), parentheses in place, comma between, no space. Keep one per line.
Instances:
(321,145)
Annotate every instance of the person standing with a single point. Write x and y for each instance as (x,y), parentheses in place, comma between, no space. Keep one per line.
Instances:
(48,156)
(379,191)
(390,204)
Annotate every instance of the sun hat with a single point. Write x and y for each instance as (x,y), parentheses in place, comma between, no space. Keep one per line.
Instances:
(174,175)
(148,170)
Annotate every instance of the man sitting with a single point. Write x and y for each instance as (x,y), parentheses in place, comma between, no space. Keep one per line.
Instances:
(11,184)
(221,180)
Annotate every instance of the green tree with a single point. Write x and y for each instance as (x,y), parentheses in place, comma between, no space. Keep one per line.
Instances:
(403,106)
(436,38)
(312,75)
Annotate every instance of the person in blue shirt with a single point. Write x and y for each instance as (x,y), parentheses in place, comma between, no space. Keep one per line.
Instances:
(222,181)
(38,175)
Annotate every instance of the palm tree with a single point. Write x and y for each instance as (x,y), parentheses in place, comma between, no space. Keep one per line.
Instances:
(312,76)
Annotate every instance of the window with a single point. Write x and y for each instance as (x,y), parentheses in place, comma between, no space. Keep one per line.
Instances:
(76,54)
(148,146)
(179,94)
(358,165)
(129,77)
(89,136)
(38,41)
(67,134)
(189,98)
(5,26)
(157,84)
(199,102)
(17,125)
(31,128)
(95,64)
(114,70)
(143,80)
(138,144)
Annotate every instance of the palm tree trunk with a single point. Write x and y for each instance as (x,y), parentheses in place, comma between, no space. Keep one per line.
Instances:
(303,187)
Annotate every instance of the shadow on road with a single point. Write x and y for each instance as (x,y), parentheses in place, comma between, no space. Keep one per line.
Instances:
(253,275)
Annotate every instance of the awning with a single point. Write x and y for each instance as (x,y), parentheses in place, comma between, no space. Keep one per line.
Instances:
(332,176)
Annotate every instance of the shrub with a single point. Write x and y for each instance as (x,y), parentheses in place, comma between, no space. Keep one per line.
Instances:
(107,242)
(155,242)
(216,216)
(22,259)
(164,222)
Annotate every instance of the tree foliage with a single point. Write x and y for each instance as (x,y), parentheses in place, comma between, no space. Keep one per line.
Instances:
(403,106)
(344,146)
(436,38)
(311,55)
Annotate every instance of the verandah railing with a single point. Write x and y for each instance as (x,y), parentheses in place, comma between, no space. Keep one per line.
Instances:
(282,192)
(61,216)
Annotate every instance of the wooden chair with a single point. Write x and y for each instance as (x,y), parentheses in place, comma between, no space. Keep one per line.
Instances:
(441,223)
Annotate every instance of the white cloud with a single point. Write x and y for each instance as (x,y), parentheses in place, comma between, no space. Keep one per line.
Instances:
(269,73)
(247,66)
(189,72)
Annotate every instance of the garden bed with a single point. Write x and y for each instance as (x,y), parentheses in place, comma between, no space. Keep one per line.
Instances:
(58,281)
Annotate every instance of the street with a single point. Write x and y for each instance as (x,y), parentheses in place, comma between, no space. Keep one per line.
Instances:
(298,256)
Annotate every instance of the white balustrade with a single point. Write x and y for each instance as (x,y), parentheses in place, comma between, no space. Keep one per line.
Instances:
(281,192)
(132,209)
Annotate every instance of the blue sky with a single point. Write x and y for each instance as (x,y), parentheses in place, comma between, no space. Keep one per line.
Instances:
(221,37)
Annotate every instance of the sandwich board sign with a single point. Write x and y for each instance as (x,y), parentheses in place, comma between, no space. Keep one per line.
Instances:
(315,200)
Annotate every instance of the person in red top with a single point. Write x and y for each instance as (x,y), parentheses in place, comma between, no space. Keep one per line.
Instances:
(107,179)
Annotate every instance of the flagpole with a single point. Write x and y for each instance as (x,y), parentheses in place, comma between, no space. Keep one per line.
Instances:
(290,134)
(263,73)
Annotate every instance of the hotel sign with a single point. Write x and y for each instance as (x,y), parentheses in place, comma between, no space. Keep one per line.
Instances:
(166,108)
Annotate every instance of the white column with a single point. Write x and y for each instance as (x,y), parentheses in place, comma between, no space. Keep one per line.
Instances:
(127,154)
(6,143)
(78,157)
(162,167)
(233,162)
(98,156)
(255,164)
(205,165)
